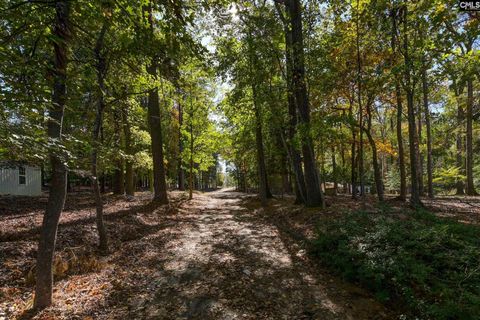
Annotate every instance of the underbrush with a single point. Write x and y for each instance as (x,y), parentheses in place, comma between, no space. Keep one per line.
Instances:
(70,262)
(430,265)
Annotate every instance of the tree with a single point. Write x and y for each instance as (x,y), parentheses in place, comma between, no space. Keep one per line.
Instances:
(294,154)
(155,123)
(101,69)
(409,86)
(198,131)
(56,199)
(181,172)
(264,190)
(398,95)
(314,195)
(426,110)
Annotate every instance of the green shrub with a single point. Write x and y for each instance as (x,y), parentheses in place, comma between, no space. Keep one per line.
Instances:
(431,265)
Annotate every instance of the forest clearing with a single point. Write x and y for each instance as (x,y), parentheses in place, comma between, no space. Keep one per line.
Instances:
(239,159)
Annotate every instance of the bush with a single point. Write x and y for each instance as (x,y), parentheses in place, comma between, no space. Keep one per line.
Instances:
(431,265)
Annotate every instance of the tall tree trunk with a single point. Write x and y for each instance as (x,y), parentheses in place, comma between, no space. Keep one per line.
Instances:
(285,163)
(321,153)
(242,181)
(118,173)
(420,155)
(293,152)
(190,187)
(296,159)
(103,182)
(286,177)
(58,187)
(469,148)
(426,111)
(360,108)
(42,175)
(401,150)
(129,179)
(101,69)
(383,158)
(262,171)
(295,162)
(334,171)
(269,193)
(459,140)
(314,196)
(119,178)
(353,152)
(181,173)
(155,124)
(344,179)
(412,128)
(127,132)
(398,95)
(376,167)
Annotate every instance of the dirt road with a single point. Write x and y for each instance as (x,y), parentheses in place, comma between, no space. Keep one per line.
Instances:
(220,260)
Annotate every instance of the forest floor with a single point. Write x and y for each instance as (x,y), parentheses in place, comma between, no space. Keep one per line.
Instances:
(219,256)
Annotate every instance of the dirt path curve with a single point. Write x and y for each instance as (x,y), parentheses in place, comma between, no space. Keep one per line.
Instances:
(216,259)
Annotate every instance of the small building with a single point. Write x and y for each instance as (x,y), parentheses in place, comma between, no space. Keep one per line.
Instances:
(20,179)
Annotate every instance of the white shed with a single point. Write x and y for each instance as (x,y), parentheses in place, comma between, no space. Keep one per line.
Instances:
(20,180)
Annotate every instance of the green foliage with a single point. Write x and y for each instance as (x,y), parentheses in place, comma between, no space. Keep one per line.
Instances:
(431,265)
(448,177)
(199,133)
(393,179)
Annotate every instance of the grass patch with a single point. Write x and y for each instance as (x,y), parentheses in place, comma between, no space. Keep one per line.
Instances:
(428,264)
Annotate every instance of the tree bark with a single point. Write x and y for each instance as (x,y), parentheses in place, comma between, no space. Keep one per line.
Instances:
(412,128)
(401,150)
(154,119)
(295,162)
(119,178)
(286,177)
(360,109)
(263,191)
(101,69)
(470,187)
(190,187)
(284,162)
(58,188)
(376,167)
(262,175)
(344,179)
(129,178)
(314,196)
(118,173)
(353,152)
(181,173)
(293,152)
(459,139)
(420,155)
(398,95)
(334,171)
(155,124)
(426,111)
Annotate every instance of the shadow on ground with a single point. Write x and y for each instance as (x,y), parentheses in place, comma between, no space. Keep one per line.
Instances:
(218,256)
(220,260)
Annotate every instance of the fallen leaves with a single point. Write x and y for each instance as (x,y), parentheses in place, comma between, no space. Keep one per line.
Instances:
(218,256)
